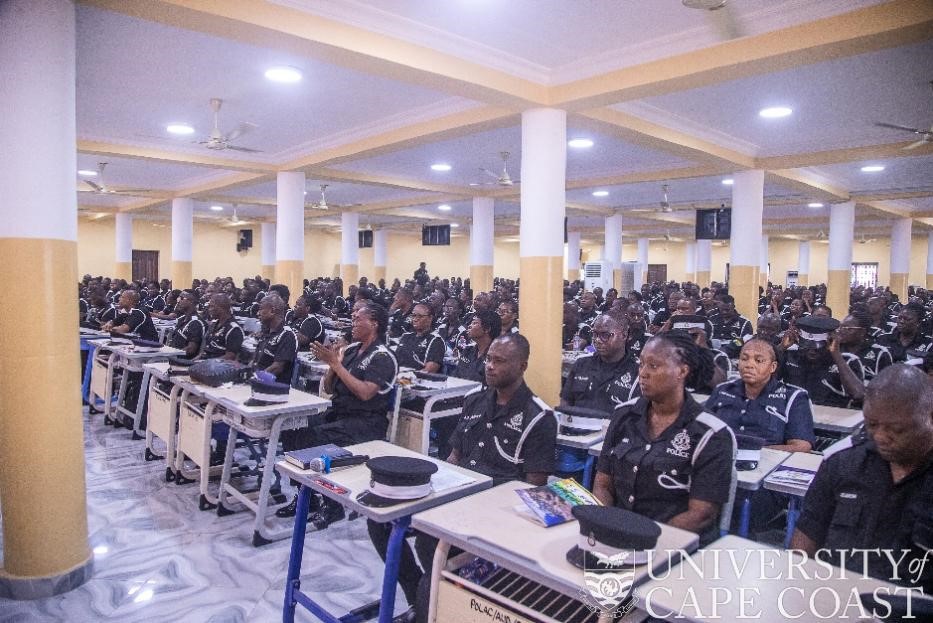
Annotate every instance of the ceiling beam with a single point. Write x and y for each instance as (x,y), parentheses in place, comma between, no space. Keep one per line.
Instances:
(809,183)
(889,207)
(841,156)
(387,181)
(117,150)
(877,27)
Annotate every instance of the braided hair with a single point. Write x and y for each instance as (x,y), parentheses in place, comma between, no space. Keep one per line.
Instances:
(698,360)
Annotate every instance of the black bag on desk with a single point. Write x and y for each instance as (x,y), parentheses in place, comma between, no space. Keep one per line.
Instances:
(216,372)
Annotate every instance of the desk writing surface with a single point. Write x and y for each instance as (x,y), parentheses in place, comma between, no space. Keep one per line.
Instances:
(357,479)
(691,587)
(596,449)
(751,480)
(158,369)
(488,525)
(581,442)
(797,460)
(233,398)
(454,386)
(835,419)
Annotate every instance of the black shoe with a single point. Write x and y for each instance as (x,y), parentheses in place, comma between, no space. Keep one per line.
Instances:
(330,512)
(406,617)
(291,508)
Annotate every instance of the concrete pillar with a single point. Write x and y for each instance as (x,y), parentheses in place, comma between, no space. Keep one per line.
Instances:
(290,231)
(573,255)
(380,253)
(44,515)
(745,242)
(930,261)
(704,262)
(541,246)
(612,250)
(123,268)
(841,231)
(182,234)
(349,248)
(900,257)
(690,264)
(267,240)
(803,263)
(764,270)
(641,269)
(482,235)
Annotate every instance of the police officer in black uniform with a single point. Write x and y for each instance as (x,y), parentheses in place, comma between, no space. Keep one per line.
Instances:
(637,329)
(277,344)
(131,319)
(878,493)
(421,349)
(730,327)
(400,313)
(305,323)
(224,334)
(907,334)
(663,456)
(607,378)
(189,328)
(483,329)
(830,376)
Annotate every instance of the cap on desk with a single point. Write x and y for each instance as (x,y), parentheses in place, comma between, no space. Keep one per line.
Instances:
(749,452)
(396,479)
(686,322)
(611,538)
(266,390)
(816,329)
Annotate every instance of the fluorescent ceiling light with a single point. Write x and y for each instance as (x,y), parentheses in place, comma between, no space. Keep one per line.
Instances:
(872,168)
(815,205)
(217,208)
(579,143)
(444,207)
(283,74)
(600,193)
(775,112)
(440,167)
(87,173)
(455,224)
(181,129)
(728,181)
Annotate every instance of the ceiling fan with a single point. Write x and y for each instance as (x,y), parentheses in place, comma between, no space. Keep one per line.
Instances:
(322,204)
(721,15)
(220,141)
(100,187)
(502,179)
(663,206)
(926,136)
(864,240)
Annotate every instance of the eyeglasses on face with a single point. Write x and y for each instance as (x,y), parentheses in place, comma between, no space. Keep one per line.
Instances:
(604,336)
(420,315)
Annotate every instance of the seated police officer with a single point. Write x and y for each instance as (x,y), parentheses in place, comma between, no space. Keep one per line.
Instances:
(189,328)
(854,337)
(224,336)
(663,456)
(637,329)
(400,313)
(421,349)
(130,319)
(277,343)
(483,329)
(607,378)
(906,334)
(359,379)
(305,323)
(878,493)
(831,377)
(769,328)
(729,327)
(505,432)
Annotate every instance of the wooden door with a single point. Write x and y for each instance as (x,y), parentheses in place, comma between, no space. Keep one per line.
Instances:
(145,265)
(657,273)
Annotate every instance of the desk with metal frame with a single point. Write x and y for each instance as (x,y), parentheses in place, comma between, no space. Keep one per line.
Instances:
(454,387)
(357,479)
(87,343)
(801,461)
(585,442)
(836,420)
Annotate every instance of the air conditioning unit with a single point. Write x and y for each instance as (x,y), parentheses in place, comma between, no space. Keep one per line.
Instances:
(597,275)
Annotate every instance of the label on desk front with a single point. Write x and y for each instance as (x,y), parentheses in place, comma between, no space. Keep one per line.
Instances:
(457,604)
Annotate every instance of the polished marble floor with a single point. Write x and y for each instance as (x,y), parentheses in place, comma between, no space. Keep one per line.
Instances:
(158,558)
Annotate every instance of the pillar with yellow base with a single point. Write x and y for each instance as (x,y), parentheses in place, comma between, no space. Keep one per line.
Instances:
(703,279)
(350,275)
(763,266)
(704,262)
(123,228)
(803,263)
(481,244)
(267,271)
(379,273)
(746,255)
(42,484)
(612,248)
(743,286)
(841,230)
(182,234)
(803,279)
(181,275)
(541,246)
(380,254)
(349,249)
(690,263)
(267,250)
(481,278)
(900,257)
(930,261)
(573,255)
(290,231)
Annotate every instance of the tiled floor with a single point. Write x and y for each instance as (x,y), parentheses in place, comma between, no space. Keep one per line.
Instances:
(158,558)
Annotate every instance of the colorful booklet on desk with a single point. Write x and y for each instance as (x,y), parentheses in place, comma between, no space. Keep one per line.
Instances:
(551,503)
(302,458)
(791,476)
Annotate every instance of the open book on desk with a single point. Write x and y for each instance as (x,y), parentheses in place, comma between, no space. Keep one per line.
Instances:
(551,504)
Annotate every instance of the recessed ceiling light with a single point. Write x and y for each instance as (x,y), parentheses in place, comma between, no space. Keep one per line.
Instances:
(440,167)
(600,193)
(579,143)
(872,168)
(728,181)
(87,173)
(775,112)
(815,205)
(217,208)
(283,74)
(182,129)
(444,207)
(455,224)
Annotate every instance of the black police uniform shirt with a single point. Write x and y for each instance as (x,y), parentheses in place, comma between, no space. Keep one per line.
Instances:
(416,351)
(376,365)
(82,309)
(853,502)
(400,322)
(470,364)
(101,315)
(336,304)
(874,358)
(139,323)
(506,442)
(892,341)
(636,343)
(588,317)
(157,303)
(310,326)
(594,384)
(691,459)
(454,336)
(223,337)
(188,329)
(780,412)
(822,381)
(278,346)
(732,332)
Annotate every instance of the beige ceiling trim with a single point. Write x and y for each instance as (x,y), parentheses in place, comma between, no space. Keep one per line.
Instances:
(648,134)
(590,209)
(648,176)
(889,207)
(877,27)
(228,182)
(386,181)
(808,183)
(893,195)
(269,25)
(99,148)
(840,156)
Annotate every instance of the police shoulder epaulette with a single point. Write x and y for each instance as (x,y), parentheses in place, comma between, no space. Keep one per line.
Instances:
(711,421)
(543,405)
(627,403)
(478,388)
(843,444)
